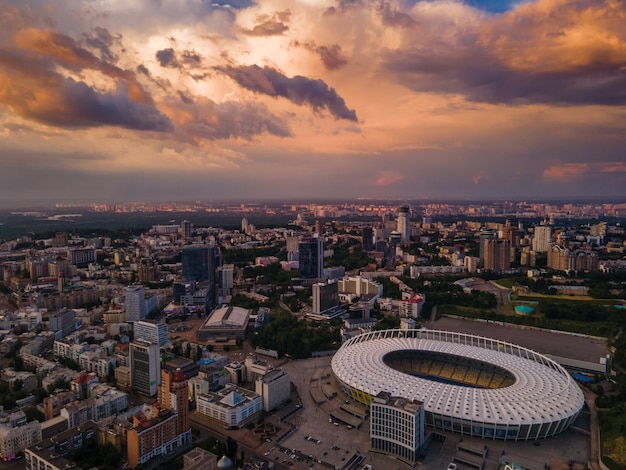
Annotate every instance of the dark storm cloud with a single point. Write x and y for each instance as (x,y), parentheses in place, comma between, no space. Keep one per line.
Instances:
(331,56)
(31,86)
(267,25)
(481,77)
(102,40)
(167,57)
(298,89)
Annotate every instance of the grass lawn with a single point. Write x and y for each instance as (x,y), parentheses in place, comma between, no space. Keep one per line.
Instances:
(613,437)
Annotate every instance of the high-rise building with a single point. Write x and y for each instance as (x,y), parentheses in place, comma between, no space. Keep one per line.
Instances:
(226,280)
(397,426)
(368,239)
(163,428)
(497,255)
(186,229)
(311,254)
(542,239)
(152,332)
(325,297)
(147,270)
(292,247)
(483,237)
(404,225)
(145,367)
(199,262)
(174,395)
(135,303)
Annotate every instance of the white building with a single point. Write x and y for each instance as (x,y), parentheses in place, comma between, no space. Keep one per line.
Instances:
(135,303)
(404,225)
(274,388)
(411,304)
(542,239)
(232,407)
(151,332)
(397,426)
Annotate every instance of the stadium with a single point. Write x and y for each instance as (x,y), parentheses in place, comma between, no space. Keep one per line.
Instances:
(468,384)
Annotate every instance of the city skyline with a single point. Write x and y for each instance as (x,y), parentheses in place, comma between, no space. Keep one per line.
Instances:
(183,100)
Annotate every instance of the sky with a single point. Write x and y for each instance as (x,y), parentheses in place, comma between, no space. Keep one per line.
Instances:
(172,100)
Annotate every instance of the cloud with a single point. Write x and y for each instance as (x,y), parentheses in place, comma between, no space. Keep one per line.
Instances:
(32,85)
(388,177)
(200,118)
(103,41)
(298,89)
(565,171)
(167,57)
(616,167)
(267,25)
(64,102)
(393,17)
(541,52)
(331,56)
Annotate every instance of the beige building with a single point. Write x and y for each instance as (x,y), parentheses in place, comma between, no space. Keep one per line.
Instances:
(16,435)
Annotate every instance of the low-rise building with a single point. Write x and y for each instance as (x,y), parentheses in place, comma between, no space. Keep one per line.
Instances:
(232,407)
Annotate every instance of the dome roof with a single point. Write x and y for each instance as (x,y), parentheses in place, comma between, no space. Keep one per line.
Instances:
(224,463)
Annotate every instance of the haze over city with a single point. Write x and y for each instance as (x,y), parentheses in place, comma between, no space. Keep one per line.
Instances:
(174,100)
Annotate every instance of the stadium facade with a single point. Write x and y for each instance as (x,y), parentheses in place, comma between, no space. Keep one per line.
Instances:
(468,384)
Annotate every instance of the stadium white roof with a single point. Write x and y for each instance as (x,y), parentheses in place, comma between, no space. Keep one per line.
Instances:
(542,392)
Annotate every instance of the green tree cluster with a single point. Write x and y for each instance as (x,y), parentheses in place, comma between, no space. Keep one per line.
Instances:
(286,334)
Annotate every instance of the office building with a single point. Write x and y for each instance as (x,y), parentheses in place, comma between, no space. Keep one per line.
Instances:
(483,236)
(397,426)
(63,323)
(226,280)
(311,258)
(145,367)
(368,239)
(182,290)
(152,332)
(199,262)
(186,229)
(404,224)
(274,388)
(325,297)
(135,303)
